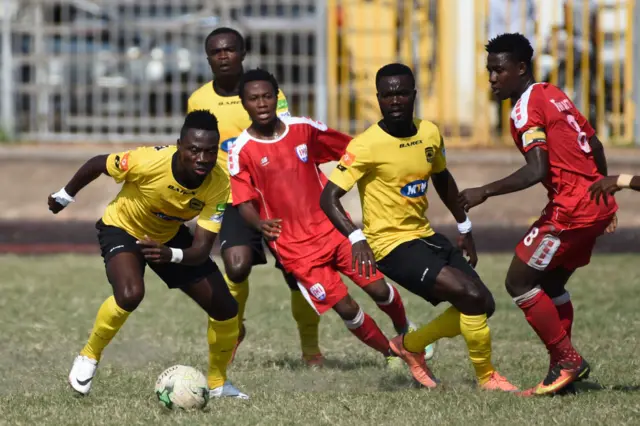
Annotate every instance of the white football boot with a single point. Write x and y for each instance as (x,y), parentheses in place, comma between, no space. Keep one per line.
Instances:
(227,391)
(81,374)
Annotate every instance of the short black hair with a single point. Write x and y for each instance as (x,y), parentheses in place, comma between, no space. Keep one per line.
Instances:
(224,30)
(199,120)
(394,70)
(257,74)
(515,44)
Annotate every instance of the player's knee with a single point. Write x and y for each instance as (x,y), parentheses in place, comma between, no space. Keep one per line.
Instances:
(128,295)
(379,291)
(347,309)
(238,270)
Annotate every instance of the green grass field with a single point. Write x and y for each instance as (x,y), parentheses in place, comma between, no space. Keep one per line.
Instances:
(48,306)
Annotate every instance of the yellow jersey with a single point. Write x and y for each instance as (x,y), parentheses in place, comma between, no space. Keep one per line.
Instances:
(232,118)
(392,175)
(151,201)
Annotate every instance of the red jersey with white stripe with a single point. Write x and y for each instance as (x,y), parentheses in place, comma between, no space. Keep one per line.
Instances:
(283,179)
(545,117)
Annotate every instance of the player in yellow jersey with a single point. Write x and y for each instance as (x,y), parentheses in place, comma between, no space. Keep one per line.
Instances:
(241,245)
(392,162)
(144,225)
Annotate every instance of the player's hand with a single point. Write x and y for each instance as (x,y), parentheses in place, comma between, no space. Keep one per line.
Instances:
(468,247)
(363,259)
(608,185)
(613,225)
(271,228)
(54,206)
(155,252)
(469,198)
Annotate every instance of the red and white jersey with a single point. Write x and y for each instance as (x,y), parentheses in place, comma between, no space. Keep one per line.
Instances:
(545,117)
(283,178)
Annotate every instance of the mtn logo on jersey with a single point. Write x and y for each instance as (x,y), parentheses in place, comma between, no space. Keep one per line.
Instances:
(226,145)
(302,152)
(414,189)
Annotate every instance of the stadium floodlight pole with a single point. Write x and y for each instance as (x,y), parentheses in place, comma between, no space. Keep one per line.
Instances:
(636,73)
(320,77)
(7,71)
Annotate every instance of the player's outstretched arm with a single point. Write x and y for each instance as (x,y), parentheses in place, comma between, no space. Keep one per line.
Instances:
(597,149)
(270,228)
(533,172)
(197,254)
(362,255)
(611,184)
(447,190)
(86,174)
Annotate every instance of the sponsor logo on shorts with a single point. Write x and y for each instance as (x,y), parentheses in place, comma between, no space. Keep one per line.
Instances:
(302,152)
(116,248)
(414,189)
(227,144)
(318,292)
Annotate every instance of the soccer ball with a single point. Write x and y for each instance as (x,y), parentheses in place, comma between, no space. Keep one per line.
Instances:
(183,387)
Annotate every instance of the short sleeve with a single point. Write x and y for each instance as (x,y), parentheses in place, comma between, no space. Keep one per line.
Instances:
(326,144)
(126,166)
(242,186)
(529,121)
(354,164)
(210,217)
(440,158)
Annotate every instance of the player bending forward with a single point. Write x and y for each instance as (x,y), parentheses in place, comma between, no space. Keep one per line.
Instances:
(163,187)
(563,152)
(392,162)
(276,184)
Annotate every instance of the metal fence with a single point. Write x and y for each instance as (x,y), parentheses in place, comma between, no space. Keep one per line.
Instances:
(121,70)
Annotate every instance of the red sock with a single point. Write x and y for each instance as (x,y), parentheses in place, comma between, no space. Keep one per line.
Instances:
(565,312)
(395,309)
(543,317)
(369,333)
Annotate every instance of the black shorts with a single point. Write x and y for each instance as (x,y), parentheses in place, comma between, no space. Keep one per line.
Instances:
(114,240)
(235,231)
(415,264)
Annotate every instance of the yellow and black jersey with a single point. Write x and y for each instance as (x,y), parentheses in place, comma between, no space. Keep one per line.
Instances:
(151,201)
(392,176)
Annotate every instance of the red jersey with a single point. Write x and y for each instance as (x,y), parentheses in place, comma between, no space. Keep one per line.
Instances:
(545,117)
(283,178)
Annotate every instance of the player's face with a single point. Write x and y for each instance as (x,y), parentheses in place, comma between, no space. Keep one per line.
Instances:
(260,101)
(396,97)
(225,55)
(504,75)
(198,152)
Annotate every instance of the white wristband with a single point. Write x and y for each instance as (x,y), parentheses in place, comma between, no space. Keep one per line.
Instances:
(356,236)
(176,255)
(464,227)
(624,181)
(63,198)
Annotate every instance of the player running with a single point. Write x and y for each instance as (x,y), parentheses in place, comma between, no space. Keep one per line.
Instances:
(163,187)
(241,245)
(276,186)
(392,162)
(564,154)
(609,185)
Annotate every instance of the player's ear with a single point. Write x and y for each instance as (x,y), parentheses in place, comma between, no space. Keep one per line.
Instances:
(522,69)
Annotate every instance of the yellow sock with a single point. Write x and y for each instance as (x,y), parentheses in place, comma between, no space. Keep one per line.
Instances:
(476,333)
(109,320)
(445,325)
(240,292)
(308,322)
(222,337)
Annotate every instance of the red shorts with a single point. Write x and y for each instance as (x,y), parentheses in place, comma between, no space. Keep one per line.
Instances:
(319,280)
(549,245)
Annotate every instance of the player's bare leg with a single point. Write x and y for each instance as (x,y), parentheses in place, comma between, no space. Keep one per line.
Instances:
(125,274)
(238,262)
(541,313)
(308,322)
(213,295)
(472,305)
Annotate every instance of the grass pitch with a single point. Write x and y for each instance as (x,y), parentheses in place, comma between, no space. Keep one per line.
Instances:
(48,305)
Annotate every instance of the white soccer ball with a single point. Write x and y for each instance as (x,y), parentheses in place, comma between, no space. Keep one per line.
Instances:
(183,387)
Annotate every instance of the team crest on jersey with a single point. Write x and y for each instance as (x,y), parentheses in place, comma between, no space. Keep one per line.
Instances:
(318,292)
(429,152)
(303,152)
(196,204)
